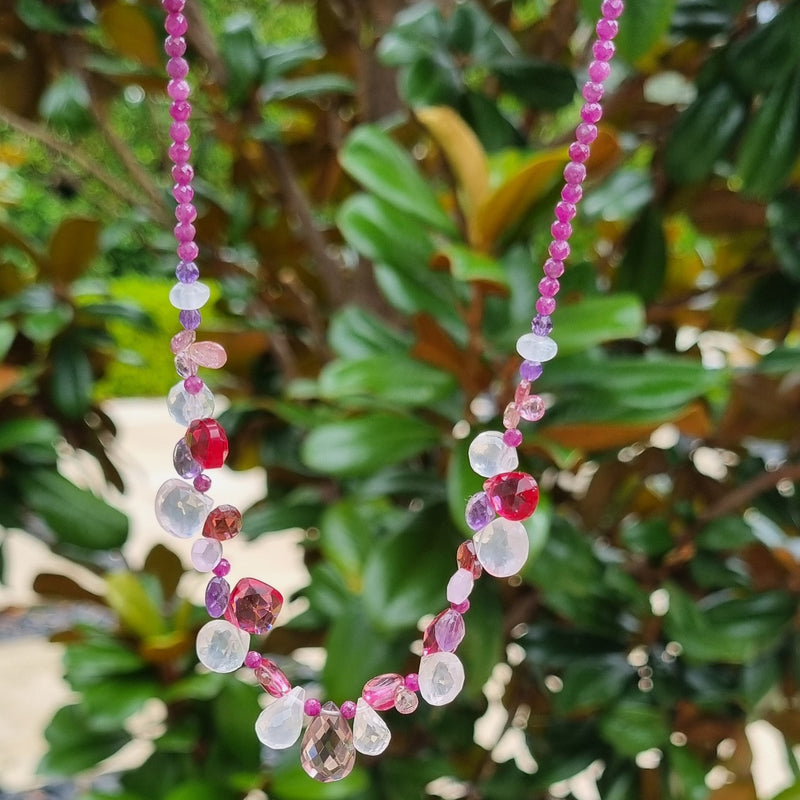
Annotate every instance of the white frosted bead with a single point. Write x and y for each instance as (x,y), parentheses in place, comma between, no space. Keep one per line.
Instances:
(189,296)
(536,348)
(441,678)
(221,646)
(502,547)
(489,455)
(371,735)
(184,407)
(206,554)
(180,509)
(280,724)
(459,587)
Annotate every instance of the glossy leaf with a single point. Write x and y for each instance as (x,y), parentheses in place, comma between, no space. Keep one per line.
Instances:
(644,265)
(347,533)
(632,727)
(595,320)
(726,533)
(87,663)
(467,265)
(356,333)
(71,378)
(129,598)
(112,701)
(17,433)
(539,84)
(590,684)
(649,537)
(72,249)
(783,217)
(772,301)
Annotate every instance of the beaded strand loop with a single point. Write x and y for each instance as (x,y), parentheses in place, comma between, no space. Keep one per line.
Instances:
(184,509)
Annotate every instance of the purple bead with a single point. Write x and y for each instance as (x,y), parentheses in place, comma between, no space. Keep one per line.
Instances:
(185,212)
(202,483)
(193,384)
(591,112)
(179,152)
(223,568)
(312,707)
(512,437)
(176,24)
(181,111)
(188,251)
(187,272)
(460,608)
(479,512)
(544,305)
(173,6)
(530,370)
(603,51)
(412,682)
(558,250)
(252,660)
(574,173)
(183,192)
(606,29)
(190,319)
(612,8)
(184,462)
(218,592)
(542,325)
(184,231)
(548,287)
(561,231)
(175,46)
(598,72)
(348,709)
(553,268)
(579,152)
(572,193)
(586,133)
(177,68)
(593,91)
(179,131)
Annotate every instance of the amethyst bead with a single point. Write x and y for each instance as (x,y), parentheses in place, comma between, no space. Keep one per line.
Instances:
(190,318)
(530,370)
(218,593)
(187,272)
(542,325)
(184,462)
(479,512)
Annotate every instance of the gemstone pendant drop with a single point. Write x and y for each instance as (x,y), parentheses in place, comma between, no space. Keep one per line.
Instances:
(502,547)
(221,646)
(254,606)
(371,735)
(327,753)
(441,678)
(280,724)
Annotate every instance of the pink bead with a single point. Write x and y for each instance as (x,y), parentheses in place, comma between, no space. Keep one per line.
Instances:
(565,211)
(222,568)
(193,384)
(598,72)
(183,174)
(175,46)
(183,192)
(553,268)
(460,608)
(252,660)
(579,152)
(593,91)
(208,354)
(312,707)
(606,29)
(510,416)
(179,131)
(574,172)
(180,110)
(544,305)
(176,24)
(185,212)
(559,251)
(173,6)
(177,68)
(512,437)
(202,483)
(181,340)
(612,9)
(178,90)
(272,678)
(412,682)
(586,133)
(179,152)
(184,232)
(591,112)
(348,709)
(561,231)
(548,287)
(571,193)
(603,51)
(188,251)
(380,691)
(522,391)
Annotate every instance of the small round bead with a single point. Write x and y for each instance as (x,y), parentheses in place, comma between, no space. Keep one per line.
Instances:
(312,707)
(542,325)
(223,568)
(179,131)
(178,90)
(252,660)
(348,709)
(591,112)
(193,384)
(558,250)
(572,193)
(603,51)
(579,152)
(548,287)
(188,251)
(184,231)
(592,90)
(177,68)
(405,701)
(606,29)
(181,110)
(586,133)
(612,9)
(185,212)
(544,305)
(513,437)
(553,268)
(183,192)
(182,174)
(190,318)
(565,211)
(173,6)
(202,483)
(175,46)
(180,152)
(574,173)
(561,231)
(460,608)
(598,72)
(176,24)
(412,682)
(530,370)
(187,271)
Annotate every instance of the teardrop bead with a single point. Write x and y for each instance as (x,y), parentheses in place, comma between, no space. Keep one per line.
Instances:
(184,407)
(441,678)
(180,509)
(371,735)
(208,354)
(189,296)
(460,586)
(489,454)
(536,348)
(444,634)
(181,340)
(221,646)
(327,752)
(502,547)
(280,724)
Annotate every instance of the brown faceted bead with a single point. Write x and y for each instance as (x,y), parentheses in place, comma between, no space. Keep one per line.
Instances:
(223,522)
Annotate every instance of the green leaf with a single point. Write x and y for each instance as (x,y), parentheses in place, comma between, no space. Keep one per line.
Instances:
(309,86)
(417,30)
(790,793)
(690,771)
(43,326)
(65,104)
(625,193)
(128,596)
(7,335)
(493,128)
(644,264)
(87,663)
(76,516)
(357,333)
(291,783)
(467,265)
(125,312)
(771,302)
(430,80)
(235,712)
(783,218)
(726,533)
(780,360)
(595,320)
(361,445)
(650,537)
(632,726)
(539,84)
(372,158)
(71,378)
(300,508)
(593,683)
(110,702)
(484,643)
(26,432)
(240,52)
(40,16)
(347,533)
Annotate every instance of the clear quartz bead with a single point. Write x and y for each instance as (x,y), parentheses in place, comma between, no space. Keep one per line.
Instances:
(460,586)
(189,296)
(441,678)
(327,752)
(489,455)
(180,509)
(371,735)
(502,547)
(406,701)
(221,647)
(280,724)
(184,407)
(206,554)
(536,348)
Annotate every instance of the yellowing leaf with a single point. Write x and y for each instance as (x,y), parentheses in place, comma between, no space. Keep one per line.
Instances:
(72,248)
(131,33)
(463,151)
(126,594)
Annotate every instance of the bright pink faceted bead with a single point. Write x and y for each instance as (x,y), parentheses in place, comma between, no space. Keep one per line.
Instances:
(598,72)
(312,707)
(553,268)
(565,211)
(379,692)
(571,193)
(559,251)
(185,212)
(184,232)
(348,709)
(182,174)
(179,152)
(593,91)
(254,606)
(546,305)
(177,68)
(586,133)
(193,384)
(175,46)
(207,442)
(612,8)
(252,659)
(222,568)
(202,483)
(591,112)
(606,29)
(183,193)
(179,131)
(512,437)
(574,173)
(180,111)
(176,24)
(178,90)
(461,608)
(548,287)
(603,51)
(272,678)
(514,495)
(579,152)
(561,231)
(444,634)
(173,6)
(188,251)
(411,682)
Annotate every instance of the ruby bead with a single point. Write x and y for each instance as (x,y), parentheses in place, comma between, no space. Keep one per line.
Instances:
(184,231)
(193,384)
(593,91)
(222,568)
(467,558)
(591,112)
(513,437)
(553,268)
(574,172)
(183,174)
(513,495)
(603,51)
(579,152)
(175,46)
(180,111)
(348,709)
(561,231)
(179,90)
(223,522)
(254,606)
(598,71)
(549,287)
(183,193)
(173,6)
(558,250)
(179,152)
(612,8)
(606,29)
(546,305)
(188,251)
(207,442)
(202,483)
(586,133)
(177,68)
(176,24)
(312,707)
(272,678)
(252,660)
(381,690)
(572,193)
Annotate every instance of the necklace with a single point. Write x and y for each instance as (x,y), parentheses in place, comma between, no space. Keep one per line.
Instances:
(499,546)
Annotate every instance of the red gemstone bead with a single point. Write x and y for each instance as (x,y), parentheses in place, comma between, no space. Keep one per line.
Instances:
(468,560)
(253,606)
(223,522)
(513,495)
(207,442)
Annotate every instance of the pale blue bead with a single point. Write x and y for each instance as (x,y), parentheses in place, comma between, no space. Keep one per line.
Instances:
(189,296)
(180,509)
(536,348)
(489,455)
(184,407)
(222,647)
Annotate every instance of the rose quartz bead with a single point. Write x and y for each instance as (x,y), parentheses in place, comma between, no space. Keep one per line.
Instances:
(553,268)
(176,24)
(544,305)
(380,691)
(558,250)
(460,585)
(561,231)
(180,110)
(510,417)
(522,391)
(606,29)
(209,354)
(572,193)
(579,152)
(603,51)
(598,72)
(586,133)
(177,68)
(188,251)
(175,46)
(548,287)
(612,8)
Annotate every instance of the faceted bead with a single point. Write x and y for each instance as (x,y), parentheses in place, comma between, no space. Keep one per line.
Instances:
(327,752)
(280,724)
(513,437)
(181,340)
(208,442)
(272,678)
(502,547)
(184,407)
(511,416)
(208,354)
(411,682)
(441,678)
(180,510)
(536,348)
(189,296)
(223,522)
(479,511)
(184,462)
(532,409)
(371,735)
(202,483)
(218,593)
(460,586)
(221,646)
(488,454)
(253,659)
(542,324)
(254,606)
(467,558)
(406,701)
(223,568)
(530,370)
(312,707)
(349,709)
(185,366)
(193,384)
(444,634)
(513,495)
(206,554)
(380,691)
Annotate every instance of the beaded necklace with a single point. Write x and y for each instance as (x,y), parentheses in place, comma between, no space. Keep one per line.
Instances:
(499,546)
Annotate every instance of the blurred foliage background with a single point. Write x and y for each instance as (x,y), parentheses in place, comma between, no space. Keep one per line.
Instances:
(376,183)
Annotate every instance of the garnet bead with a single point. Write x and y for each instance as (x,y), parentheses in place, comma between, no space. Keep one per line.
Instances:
(223,522)
(254,606)
(207,442)
(513,495)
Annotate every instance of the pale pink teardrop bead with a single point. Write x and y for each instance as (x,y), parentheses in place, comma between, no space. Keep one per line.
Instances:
(208,354)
